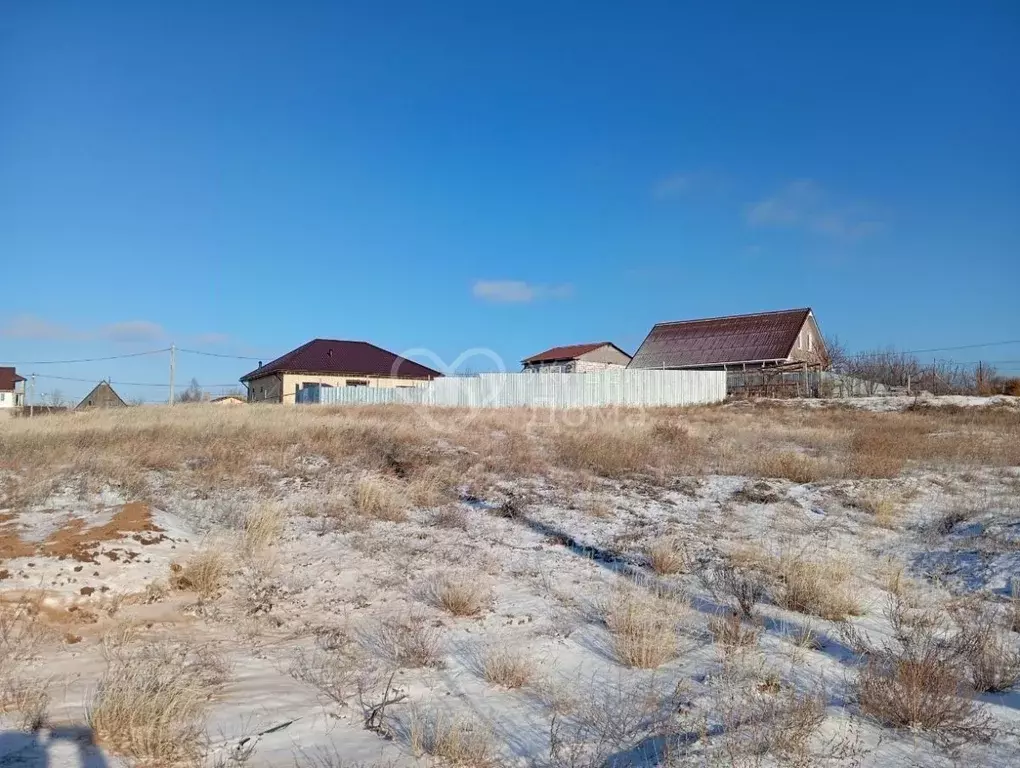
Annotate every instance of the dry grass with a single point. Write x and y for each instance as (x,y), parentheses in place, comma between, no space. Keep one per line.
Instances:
(456,740)
(668,556)
(150,703)
(262,527)
(884,507)
(791,465)
(508,667)
(462,594)
(413,640)
(452,516)
(606,451)
(730,631)
(375,496)
(822,588)
(643,627)
(205,573)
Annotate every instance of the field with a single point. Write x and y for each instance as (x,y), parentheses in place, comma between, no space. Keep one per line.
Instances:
(771,583)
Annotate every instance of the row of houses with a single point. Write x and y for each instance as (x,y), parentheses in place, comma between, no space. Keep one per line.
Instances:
(785,340)
(744,345)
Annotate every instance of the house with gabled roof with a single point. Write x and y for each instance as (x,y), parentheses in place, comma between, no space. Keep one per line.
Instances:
(788,337)
(12,388)
(101,396)
(332,363)
(577,358)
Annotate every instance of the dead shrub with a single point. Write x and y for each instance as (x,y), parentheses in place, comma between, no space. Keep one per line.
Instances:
(413,640)
(376,497)
(882,450)
(336,673)
(988,648)
(205,572)
(149,704)
(433,486)
(451,516)
(507,667)
(462,594)
(643,628)
(1013,606)
(667,556)
(744,586)
(918,680)
(820,588)
(794,466)
(731,631)
(263,525)
(608,451)
(456,739)
(884,508)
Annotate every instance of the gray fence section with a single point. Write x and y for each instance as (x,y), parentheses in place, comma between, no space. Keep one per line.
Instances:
(550,390)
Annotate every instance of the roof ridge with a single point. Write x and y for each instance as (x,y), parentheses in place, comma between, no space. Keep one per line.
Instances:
(736,317)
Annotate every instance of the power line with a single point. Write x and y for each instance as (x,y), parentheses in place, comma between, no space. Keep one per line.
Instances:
(122,383)
(218,354)
(951,349)
(87,359)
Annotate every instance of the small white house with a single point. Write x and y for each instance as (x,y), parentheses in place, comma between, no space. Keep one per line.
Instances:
(12,389)
(577,358)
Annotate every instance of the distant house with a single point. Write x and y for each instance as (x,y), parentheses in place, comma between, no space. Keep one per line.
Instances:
(737,342)
(577,358)
(228,400)
(332,363)
(12,389)
(102,396)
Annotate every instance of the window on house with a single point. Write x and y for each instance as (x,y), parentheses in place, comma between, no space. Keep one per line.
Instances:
(357,383)
(810,340)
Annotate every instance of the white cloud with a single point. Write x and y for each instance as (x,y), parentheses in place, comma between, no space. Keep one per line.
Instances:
(672,186)
(518,291)
(35,328)
(132,331)
(802,204)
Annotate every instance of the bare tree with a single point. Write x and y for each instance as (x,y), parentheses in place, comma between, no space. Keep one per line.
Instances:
(193,394)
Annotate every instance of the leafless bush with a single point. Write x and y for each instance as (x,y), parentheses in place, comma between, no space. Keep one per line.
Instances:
(462,594)
(746,587)
(918,680)
(260,585)
(337,674)
(668,556)
(377,497)
(508,667)
(1013,606)
(730,631)
(451,516)
(794,466)
(149,703)
(884,507)
(643,627)
(609,717)
(458,740)
(205,572)
(409,641)
(989,649)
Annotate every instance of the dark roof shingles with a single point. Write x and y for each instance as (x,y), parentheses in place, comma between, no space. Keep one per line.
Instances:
(718,340)
(344,357)
(569,352)
(8,378)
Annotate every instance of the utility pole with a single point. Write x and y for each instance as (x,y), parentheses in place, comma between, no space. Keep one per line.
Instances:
(173,355)
(31,396)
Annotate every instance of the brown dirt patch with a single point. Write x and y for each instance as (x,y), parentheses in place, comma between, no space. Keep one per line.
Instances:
(78,541)
(11,545)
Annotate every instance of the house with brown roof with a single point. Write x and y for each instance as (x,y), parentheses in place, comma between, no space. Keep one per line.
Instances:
(332,363)
(577,358)
(12,389)
(788,337)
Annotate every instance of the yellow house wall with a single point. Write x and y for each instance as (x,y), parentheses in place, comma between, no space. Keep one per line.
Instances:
(293,380)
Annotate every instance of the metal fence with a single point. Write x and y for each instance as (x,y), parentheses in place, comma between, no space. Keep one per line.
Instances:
(550,390)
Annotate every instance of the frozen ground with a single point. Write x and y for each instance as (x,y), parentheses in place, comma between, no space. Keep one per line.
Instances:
(305,625)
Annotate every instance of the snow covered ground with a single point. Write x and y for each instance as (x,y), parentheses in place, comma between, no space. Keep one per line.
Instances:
(341,605)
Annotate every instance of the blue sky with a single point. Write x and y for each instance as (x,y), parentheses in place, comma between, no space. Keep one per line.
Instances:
(241,177)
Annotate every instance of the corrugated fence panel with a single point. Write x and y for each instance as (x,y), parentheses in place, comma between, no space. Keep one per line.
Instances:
(549,390)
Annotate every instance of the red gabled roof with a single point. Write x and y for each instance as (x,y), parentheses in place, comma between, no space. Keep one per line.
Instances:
(570,352)
(330,356)
(8,378)
(765,336)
